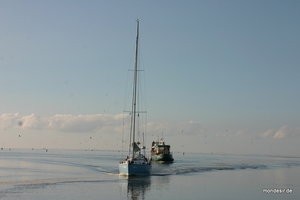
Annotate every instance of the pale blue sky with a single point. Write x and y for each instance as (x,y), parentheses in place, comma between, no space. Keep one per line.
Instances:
(227,65)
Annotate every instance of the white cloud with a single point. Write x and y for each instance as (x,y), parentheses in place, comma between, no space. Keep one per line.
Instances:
(113,123)
(84,123)
(109,123)
(8,120)
(63,122)
(32,121)
(282,132)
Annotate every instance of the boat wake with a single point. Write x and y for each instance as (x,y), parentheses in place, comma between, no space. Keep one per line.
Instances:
(165,171)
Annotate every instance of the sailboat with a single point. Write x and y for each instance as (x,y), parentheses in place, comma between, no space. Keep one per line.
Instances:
(136,162)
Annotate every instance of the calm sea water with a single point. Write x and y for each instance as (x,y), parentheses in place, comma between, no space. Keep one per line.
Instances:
(66,174)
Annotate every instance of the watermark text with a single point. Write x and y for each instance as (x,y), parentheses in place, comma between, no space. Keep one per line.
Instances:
(277,190)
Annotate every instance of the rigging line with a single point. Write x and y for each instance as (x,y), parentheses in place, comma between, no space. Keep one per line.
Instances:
(123,124)
(127,95)
(130,134)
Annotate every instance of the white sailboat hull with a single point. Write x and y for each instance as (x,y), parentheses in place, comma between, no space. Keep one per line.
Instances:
(134,169)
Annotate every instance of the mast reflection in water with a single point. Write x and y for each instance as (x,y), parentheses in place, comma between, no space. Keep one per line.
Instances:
(136,187)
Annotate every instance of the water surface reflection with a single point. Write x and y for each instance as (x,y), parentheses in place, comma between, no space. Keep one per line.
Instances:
(136,187)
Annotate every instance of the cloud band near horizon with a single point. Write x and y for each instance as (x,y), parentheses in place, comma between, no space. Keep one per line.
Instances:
(113,123)
(61,122)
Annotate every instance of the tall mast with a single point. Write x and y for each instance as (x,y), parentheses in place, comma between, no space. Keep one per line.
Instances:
(134,97)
